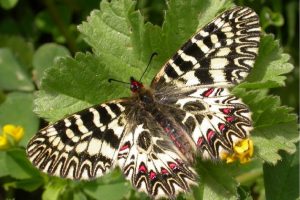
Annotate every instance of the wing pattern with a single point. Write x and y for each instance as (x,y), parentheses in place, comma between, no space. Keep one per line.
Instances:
(152,164)
(215,119)
(222,53)
(82,146)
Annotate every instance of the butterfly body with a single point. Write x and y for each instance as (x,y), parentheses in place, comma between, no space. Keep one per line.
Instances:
(154,135)
(157,112)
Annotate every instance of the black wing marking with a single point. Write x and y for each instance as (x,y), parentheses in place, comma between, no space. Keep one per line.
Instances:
(81,146)
(222,53)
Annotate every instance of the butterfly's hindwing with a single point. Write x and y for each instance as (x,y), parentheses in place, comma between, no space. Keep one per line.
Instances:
(214,118)
(152,163)
(81,146)
(226,120)
(222,53)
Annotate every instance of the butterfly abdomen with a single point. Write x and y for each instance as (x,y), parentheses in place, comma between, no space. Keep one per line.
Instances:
(177,135)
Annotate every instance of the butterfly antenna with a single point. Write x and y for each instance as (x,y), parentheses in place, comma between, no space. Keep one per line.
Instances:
(153,54)
(118,81)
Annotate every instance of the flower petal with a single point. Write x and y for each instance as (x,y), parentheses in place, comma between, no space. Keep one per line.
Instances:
(17,132)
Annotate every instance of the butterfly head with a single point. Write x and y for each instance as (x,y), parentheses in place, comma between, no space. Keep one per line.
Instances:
(135,86)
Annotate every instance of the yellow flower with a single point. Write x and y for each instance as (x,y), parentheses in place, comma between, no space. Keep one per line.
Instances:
(242,150)
(17,132)
(4,143)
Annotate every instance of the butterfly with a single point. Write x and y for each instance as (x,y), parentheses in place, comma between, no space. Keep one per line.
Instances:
(155,135)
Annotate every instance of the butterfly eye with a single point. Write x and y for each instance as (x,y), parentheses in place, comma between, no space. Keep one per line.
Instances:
(133,88)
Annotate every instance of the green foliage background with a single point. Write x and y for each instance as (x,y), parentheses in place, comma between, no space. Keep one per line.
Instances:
(41,75)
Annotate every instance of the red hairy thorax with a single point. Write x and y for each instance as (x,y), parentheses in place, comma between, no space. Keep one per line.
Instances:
(135,86)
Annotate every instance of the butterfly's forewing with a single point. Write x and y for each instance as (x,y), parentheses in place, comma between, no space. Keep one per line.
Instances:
(222,53)
(152,163)
(82,146)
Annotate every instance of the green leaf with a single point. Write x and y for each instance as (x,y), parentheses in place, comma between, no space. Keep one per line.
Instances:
(111,186)
(269,18)
(282,180)
(15,164)
(78,195)
(111,38)
(270,66)
(21,49)
(54,106)
(31,184)
(209,9)
(275,127)
(17,110)
(2,97)
(54,189)
(216,182)
(13,75)
(266,106)
(3,170)
(83,78)
(269,140)
(111,191)
(246,174)
(8,4)
(45,56)
(46,22)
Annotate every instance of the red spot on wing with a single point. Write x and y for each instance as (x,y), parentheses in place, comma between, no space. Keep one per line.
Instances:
(221,127)
(172,165)
(152,175)
(229,119)
(226,111)
(210,134)
(208,92)
(126,146)
(164,171)
(142,169)
(200,141)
